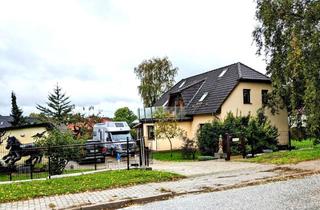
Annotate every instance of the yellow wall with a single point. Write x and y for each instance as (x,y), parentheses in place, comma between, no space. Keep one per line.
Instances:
(234,104)
(24,135)
(160,144)
(200,119)
(190,127)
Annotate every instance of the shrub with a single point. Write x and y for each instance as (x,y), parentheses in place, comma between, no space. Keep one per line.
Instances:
(257,131)
(261,134)
(188,150)
(60,149)
(236,127)
(208,137)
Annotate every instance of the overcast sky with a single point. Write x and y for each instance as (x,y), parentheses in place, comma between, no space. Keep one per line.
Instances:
(90,47)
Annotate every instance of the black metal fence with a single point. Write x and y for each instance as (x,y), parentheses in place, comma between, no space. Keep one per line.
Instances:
(46,162)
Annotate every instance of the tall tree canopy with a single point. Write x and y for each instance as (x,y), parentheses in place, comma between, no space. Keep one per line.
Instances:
(288,33)
(58,107)
(16,112)
(124,114)
(156,77)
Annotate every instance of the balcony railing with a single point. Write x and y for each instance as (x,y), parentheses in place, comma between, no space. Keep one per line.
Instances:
(148,113)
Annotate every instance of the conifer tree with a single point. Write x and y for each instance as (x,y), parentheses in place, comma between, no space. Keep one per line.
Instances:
(59,106)
(16,112)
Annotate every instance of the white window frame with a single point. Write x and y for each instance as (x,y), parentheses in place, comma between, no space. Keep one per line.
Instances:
(203,96)
(181,85)
(223,72)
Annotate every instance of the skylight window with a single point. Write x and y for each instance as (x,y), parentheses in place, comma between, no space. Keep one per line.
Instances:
(180,86)
(165,103)
(223,72)
(203,96)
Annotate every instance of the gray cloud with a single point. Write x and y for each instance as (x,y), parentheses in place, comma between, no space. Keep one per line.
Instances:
(92,52)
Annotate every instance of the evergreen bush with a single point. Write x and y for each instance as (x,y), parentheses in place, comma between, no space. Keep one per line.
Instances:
(257,130)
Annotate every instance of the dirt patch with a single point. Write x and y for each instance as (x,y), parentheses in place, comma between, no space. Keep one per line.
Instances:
(220,177)
(286,170)
(165,190)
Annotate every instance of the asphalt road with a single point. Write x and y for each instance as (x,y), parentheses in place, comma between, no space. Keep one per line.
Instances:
(293,194)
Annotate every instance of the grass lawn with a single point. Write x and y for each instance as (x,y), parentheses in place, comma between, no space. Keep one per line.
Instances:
(89,182)
(24,176)
(308,143)
(166,156)
(304,150)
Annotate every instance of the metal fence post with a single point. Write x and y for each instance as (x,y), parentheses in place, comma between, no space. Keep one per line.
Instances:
(145,156)
(140,152)
(128,160)
(289,137)
(31,170)
(95,157)
(49,161)
(228,146)
(10,174)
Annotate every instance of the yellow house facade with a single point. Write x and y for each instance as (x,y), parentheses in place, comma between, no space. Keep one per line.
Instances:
(25,134)
(203,98)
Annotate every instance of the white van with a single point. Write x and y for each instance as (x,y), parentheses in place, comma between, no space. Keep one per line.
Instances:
(114,135)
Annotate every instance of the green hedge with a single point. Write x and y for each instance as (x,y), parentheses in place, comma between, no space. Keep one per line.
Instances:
(257,131)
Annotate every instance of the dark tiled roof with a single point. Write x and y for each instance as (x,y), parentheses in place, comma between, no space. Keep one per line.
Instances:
(5,123)
(218,88)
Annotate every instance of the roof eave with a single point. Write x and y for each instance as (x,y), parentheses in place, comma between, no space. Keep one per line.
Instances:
(255,80)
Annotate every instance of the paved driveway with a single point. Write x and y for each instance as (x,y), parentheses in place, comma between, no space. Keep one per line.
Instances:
(198,168)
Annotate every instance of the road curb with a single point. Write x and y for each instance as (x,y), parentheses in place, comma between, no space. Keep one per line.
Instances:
(124,203)
(165,196)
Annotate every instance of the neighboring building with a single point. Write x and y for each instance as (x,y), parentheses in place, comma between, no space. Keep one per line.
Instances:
(87,124)
(25,133)
(202,98)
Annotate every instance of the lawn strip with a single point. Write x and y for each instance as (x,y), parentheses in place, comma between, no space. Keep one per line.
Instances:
(176,156)
(76,184)
(287,157)
(37,175)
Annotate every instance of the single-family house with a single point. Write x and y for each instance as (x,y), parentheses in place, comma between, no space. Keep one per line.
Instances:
(204,97)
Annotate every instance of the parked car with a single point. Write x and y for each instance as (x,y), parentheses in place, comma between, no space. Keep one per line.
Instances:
(94,151)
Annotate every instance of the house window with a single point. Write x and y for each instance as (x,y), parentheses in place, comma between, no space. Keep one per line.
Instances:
(264,95)
(150,132)
(223,72)
(180,86)
(201,126)
(165,103)
(203,96)
(246,96)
